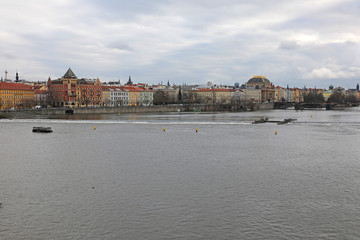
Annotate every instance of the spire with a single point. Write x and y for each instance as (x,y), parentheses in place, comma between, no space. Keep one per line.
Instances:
(17,76)
(69,74)
(129,82)
(98,81)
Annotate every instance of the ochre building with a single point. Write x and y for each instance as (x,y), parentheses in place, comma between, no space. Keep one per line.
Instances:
(16,96)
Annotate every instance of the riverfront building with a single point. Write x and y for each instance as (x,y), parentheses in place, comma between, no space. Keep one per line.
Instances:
(119,96)
(215,95)
(69,91)
(16,96)
(266,87)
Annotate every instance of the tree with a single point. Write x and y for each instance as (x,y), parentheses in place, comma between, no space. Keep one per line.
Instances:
(313,97)
(107,102)
(180,97)
(161,97)
(336,96)
(351,98)
(28,103)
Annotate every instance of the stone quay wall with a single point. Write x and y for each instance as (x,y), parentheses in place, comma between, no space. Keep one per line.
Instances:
(126,109)
(109,110)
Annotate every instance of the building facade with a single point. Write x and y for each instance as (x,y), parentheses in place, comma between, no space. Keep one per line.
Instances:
(69,91)
(16,96)
(267,88)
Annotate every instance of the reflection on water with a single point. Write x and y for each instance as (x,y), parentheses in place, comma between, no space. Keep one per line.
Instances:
(232,180)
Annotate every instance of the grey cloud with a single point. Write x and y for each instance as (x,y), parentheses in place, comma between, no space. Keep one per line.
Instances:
(289,45)
(9,55)
(121,46)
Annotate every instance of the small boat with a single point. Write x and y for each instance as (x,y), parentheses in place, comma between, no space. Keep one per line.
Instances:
(42,129)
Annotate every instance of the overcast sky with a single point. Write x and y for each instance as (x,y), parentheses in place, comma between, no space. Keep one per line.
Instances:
(297,42)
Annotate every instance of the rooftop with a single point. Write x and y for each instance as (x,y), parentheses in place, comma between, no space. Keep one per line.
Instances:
(14,86)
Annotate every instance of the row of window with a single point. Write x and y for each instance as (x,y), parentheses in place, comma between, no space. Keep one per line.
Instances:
(12,92)
(119,94)
(11,102)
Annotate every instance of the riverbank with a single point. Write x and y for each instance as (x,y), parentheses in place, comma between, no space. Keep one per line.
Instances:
(131,109)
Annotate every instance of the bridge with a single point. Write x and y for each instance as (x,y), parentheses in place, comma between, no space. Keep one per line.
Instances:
(303,105)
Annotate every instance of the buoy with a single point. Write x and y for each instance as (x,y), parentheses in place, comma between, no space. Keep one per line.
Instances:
(94,128)
(196,130)
(195,114)
(275,132)
(118,113)
(310,115)
(164,129)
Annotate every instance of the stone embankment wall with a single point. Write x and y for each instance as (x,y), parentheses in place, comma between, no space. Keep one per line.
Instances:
(125,109)
(109,110)
(266,106)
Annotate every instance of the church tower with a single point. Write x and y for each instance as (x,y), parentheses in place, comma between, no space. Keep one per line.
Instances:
(129,82)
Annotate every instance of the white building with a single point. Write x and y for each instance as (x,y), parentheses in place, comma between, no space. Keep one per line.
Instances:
(119,97)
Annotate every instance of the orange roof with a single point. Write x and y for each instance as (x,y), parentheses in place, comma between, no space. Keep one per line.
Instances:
(37,91)
(14,86)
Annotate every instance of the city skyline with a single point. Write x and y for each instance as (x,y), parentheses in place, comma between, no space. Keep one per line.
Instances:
(293,43)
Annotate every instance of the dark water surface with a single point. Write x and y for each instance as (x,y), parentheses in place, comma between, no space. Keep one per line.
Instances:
(232,180)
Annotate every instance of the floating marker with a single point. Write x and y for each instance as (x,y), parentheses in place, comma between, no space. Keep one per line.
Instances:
(196,130)
(275,132)
(164,129)
(310,115)
(118,113)
(94,128)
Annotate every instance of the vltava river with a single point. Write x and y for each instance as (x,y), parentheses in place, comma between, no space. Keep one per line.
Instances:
(128,179)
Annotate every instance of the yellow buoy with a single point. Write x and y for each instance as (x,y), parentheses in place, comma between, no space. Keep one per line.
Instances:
(196,130)
(310,115)
(94,128)
(195,114)
(118,113)
(164,129)
(275,132)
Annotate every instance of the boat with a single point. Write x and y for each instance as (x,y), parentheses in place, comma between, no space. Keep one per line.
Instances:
(42,129)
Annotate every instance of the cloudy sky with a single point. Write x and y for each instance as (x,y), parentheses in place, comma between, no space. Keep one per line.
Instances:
(297,42)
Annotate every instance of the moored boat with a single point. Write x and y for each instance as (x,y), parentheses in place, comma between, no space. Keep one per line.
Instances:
(42,129)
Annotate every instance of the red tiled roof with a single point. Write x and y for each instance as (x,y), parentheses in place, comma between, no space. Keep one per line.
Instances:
(37,91)
(14,86)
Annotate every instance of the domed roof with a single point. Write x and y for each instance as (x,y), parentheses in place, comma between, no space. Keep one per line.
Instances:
(259,80)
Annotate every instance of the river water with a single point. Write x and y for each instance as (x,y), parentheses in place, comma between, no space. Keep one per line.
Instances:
(128,179)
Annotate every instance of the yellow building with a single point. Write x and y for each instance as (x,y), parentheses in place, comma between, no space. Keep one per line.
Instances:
(214,96)
(134,96)
(327,94)
(106,96)
(297,95)
(16,96)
